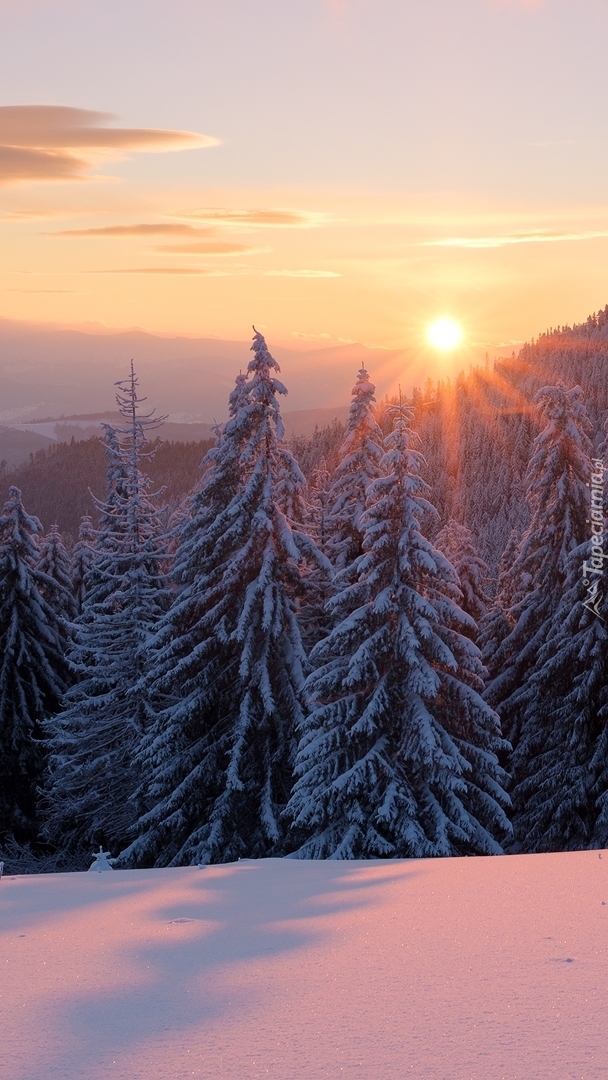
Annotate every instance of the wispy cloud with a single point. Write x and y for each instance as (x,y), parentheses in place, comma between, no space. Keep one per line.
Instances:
(143,229)
(212,247)
(234,271)
(188,271)
(310,337)
(43,143)
(539,237)
(275,218)
(302,273)
(212,219)
(30,215)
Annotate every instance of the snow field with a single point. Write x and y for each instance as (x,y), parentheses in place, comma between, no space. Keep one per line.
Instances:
(446,969)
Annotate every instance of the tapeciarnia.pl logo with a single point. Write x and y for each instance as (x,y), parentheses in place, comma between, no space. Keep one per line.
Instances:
(594,569)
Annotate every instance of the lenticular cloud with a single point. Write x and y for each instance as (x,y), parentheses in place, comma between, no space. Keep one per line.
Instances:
(57,142)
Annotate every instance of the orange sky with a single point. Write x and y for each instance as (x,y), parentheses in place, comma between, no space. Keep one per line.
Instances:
(343,172)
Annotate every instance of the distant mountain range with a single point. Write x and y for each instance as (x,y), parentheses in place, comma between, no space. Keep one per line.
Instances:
(64,428)
(19,440)
(16,446)
(46,371)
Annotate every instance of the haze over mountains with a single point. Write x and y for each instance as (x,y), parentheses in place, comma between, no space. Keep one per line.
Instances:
(47,371)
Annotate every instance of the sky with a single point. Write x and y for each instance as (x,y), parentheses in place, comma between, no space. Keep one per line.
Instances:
(333,171)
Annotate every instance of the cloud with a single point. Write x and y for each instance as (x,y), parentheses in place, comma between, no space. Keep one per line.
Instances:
(143,229)
(302,273)
(240,271)
(180,270)
(30,215)
(310,337)
(213,247)
(56,142)
(21,165)
(538,237)
(325,337)
(280,218)
(290,219)
(46,126)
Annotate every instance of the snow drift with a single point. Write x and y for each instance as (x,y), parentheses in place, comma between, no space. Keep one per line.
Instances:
(450,969)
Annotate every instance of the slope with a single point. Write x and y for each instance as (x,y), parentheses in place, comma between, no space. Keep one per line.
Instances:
(446,969)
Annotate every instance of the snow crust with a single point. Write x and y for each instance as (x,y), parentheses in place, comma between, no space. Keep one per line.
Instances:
(450,969)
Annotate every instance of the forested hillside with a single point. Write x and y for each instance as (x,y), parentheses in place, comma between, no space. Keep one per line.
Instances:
(477,433)
(385,639)
(58,482)
(15,446)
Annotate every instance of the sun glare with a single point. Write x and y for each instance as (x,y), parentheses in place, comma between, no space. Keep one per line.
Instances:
(444,334)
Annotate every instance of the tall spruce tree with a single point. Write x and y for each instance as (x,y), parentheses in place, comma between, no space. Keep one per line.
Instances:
(318,572)
(315,567)
(495,625)
(82,560)
(33,669)
(319,506)
(398,756)
(226,666)
(458,545)
(54,563)
(557,496)
(360,457)
(92,771)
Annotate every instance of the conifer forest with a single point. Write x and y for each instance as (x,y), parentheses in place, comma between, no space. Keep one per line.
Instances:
(383,640)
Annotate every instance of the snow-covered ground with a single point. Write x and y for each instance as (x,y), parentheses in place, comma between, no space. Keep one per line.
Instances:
(451,969)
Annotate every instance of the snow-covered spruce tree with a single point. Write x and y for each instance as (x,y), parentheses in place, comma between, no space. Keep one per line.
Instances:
(495,625)
(93,742)
(360,457)
(560,765)
(82,560)
(318,573)
(558,498)
(319,506)
(54,563)
(323,445)
(398,756)
(315,567)
(33,669)
(290,487)
(111,519)
(457,544)
(492,631)
(227,659)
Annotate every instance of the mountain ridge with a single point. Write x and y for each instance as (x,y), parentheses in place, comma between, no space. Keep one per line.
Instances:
(49,370)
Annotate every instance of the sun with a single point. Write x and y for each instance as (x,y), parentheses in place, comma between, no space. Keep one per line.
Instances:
(444,334)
